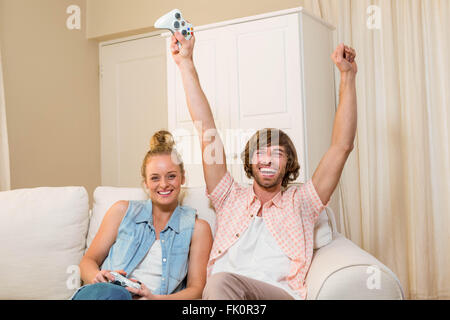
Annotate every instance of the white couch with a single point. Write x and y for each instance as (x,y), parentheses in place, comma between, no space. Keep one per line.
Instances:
(45,232)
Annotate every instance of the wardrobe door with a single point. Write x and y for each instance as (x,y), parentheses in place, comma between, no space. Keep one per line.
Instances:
(133,106)
(265,80)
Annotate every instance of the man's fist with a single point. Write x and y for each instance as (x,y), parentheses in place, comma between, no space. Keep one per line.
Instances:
(344,58)
(187,47)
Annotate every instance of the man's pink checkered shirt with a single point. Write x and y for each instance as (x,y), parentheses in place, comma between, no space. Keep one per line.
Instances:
(290,217)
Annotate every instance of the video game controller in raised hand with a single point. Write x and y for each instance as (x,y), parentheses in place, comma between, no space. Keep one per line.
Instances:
(174,22)
(124,282)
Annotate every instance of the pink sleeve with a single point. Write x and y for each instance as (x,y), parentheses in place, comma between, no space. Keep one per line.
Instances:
(221,191)
(310,201)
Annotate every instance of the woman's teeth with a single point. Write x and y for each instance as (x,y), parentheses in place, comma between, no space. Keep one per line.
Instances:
(164,193)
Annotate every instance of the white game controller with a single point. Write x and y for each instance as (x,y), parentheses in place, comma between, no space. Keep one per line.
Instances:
(174,22)
(124,282)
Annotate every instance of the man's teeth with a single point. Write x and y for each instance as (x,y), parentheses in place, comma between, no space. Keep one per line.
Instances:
(268,171)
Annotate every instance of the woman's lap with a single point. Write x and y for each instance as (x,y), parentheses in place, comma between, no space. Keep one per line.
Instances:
(102,291)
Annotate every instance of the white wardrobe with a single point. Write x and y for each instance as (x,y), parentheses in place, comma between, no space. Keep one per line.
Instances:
(267,71)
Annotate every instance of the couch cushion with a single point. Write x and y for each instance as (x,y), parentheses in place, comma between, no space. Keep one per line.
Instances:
(104,198)
(342,270)
(323,233)
(43,233)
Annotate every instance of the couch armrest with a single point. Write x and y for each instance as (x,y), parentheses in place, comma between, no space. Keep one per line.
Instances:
(341,270)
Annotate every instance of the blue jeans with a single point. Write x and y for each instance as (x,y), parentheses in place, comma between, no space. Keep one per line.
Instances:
(102,291)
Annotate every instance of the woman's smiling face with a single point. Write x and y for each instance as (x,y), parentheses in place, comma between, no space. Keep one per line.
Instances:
(163,180)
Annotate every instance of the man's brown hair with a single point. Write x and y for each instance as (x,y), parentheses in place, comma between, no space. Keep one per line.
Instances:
(272,137)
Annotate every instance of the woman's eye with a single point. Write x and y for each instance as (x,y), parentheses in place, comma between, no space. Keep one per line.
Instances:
(154,178)
(172,176)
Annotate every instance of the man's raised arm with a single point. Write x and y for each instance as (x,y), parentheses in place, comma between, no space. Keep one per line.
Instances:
(328,173)
(213,154)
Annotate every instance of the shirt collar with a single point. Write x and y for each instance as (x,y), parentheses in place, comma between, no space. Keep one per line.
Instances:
(276,201)
(146,216)
(251,196)
(174,221)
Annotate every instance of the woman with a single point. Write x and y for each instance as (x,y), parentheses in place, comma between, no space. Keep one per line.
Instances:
(153,241)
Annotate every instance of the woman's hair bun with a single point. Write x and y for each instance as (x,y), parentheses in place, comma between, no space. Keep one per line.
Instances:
(162,141)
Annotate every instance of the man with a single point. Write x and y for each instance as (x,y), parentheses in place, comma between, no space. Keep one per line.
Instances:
(264,240)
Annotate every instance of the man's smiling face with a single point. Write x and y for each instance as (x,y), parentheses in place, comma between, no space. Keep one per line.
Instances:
(269,166)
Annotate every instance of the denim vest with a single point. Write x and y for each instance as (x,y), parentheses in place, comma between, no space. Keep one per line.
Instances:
(136,235)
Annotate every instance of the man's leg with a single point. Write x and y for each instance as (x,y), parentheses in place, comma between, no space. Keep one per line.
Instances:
(102,291)
(231,286)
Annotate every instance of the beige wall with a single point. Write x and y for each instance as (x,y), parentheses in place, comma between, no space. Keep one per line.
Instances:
(51,89)
(114,18)
(51,77)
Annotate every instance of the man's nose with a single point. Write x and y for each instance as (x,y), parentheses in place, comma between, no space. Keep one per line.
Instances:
(266,158)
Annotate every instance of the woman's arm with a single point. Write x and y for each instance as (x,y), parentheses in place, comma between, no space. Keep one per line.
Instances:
(99,249)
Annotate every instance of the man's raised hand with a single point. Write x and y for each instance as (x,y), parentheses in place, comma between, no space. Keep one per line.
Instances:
(185,52)
(344,58)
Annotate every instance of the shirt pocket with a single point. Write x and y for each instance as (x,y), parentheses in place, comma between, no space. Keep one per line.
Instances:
(181,243)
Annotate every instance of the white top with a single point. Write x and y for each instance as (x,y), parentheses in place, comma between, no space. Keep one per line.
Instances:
(257,255)
(149,271)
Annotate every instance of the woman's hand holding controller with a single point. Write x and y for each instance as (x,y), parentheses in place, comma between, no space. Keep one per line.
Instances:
(143,293)
(106,276)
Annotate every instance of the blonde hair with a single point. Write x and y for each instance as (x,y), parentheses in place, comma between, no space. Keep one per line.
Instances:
(162,142)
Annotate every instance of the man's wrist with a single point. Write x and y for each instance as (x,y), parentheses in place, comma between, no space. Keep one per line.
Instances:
(186,65)
(348,76)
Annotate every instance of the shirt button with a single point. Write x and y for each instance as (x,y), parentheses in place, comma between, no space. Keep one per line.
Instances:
(251,216)
(237,235)
(219,251)
(162,279)
(162,240)
(164,260)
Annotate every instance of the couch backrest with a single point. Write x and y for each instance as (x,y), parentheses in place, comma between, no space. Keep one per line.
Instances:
(43,237)
(105,197)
